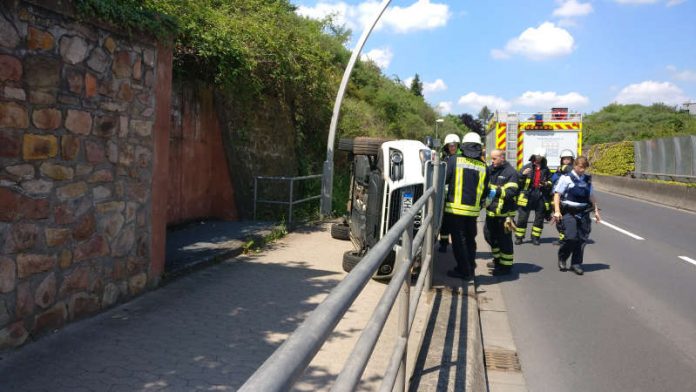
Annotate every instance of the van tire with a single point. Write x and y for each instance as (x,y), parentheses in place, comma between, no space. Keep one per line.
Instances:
(367,145)
(345,144)
(350,260)
(340,231)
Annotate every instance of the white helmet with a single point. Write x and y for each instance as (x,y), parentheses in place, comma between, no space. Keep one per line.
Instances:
(540,152)
(451,138)
(567,153)
(472,137)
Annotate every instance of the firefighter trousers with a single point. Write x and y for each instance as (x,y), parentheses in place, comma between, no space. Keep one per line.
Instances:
(576,229)
(536,203)
(499,240)
(444,233)
(463,230)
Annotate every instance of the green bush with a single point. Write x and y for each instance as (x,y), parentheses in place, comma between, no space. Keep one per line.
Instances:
(613,159)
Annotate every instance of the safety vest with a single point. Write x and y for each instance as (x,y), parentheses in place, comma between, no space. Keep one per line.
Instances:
(467,189)
(580,191)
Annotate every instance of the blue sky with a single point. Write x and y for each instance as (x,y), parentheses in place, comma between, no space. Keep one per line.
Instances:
(530,56)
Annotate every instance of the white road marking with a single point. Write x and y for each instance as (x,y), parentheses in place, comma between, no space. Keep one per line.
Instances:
(688,259)
(620,230)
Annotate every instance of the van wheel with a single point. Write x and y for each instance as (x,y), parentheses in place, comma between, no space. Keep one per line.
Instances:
(350,259)
(367,145)
(340,231)
(345,144)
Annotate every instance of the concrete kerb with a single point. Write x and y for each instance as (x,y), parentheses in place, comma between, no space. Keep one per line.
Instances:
(677,196)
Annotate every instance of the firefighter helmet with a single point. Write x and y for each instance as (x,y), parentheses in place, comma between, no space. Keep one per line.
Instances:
(472,137)
(451,138)
(540,152)
(567,154)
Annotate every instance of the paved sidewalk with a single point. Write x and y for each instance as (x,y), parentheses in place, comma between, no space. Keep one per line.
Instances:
(208,330)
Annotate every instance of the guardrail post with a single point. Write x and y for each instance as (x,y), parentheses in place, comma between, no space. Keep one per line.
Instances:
(404,296)
(256,187)
(432,227)
(292,182)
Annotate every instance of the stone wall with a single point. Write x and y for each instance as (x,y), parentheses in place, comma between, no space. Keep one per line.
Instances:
(77,108)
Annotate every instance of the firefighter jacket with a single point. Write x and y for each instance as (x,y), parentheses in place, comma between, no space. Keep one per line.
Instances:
(526,183)
(504,180)
(468,181)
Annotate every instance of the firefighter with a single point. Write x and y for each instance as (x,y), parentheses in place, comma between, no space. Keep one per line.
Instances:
(449,149)
(566,166)
(573,200)
(535,195)
(468,182)
(503,189)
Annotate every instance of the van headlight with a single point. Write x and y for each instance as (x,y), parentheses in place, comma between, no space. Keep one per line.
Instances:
(396,169)
(397,157)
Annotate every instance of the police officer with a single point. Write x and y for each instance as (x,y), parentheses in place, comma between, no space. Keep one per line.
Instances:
(449,149)
(503,189)
(566,166)
(535,193)
(468,181)
(573,200)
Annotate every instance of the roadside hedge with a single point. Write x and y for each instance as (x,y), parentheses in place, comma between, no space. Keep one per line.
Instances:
(613,159)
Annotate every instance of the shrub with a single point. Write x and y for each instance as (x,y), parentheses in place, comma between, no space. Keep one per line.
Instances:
(613,159)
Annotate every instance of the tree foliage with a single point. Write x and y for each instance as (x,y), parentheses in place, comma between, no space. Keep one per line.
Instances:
(417,86)
(471,123)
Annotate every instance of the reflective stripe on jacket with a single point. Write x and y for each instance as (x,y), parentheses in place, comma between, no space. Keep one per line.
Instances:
(467,181)
(504,180)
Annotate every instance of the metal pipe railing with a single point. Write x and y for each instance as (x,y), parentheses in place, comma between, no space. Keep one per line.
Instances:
(290,203)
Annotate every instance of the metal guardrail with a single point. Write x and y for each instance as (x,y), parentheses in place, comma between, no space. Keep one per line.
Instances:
(289,361)
(290,203)
(671,158)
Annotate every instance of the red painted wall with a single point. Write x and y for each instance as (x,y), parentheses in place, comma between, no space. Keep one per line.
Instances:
(200,185)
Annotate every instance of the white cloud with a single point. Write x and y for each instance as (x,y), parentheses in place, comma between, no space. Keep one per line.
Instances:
(672,3)
(539,43)
(381,57)
(637,1)
(444,107)
(475,101)
(684,75)
(545,100)
(572,8)
(421,15)
(431,87)
(649,92)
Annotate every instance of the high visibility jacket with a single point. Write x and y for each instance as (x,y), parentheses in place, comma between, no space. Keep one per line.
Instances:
(504,180)
(467,179)
(526,184)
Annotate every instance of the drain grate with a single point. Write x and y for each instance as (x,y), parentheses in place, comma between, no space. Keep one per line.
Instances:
(502,360)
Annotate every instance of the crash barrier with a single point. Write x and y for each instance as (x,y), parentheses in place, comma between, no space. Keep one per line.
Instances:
(289,361)
(671,158)
(291,185)
(679,196)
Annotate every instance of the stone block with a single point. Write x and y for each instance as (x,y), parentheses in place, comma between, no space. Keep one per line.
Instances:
(96,247)
(25,207)
(108,207)
(10,92)
(131,209)
(141,128)
(23,236)
(10,143)
(43,96)
(98,60)
(5,316)
(47,118)
(70,147)
(39,40)
(57,236)
(8,274)
(84,228)
(42,72)
(122,66)
(65,259)
(8,34)
(127,155)
(10,68)
(112,151)
(103,175)
(83,170)
(76,80)
(71,191)
(125,243)
(149,78)
(105,126)
(125,92)
(110,44)
(143,157)
(101,193)
(136,284)
(149,57)
(30,264)
(39,147)
(73,49)
(68,99)
(13,115)
(90,85)
(138,69)
(123,126)
(37,187)
(51,319)
(135,265)
(14,335)
(25,300)
(45,294)
(111,106)
(111,225)
(110,295)
(75,281)
(138,192)
(21,172)
(78,121)
(94,152)
(57,172)
(9,205)
(83,304)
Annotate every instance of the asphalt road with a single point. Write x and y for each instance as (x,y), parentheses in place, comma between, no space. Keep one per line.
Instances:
(629,323)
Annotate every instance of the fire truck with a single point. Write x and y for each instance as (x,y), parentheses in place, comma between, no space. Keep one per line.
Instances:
(520,134)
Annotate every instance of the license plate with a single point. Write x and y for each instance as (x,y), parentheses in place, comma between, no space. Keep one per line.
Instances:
(406,202)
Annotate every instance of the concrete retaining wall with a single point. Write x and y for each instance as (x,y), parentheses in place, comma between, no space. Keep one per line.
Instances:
(671,195)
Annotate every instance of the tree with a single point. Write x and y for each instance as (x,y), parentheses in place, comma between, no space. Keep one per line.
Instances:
(485,115)
(472,123)
(417,86)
